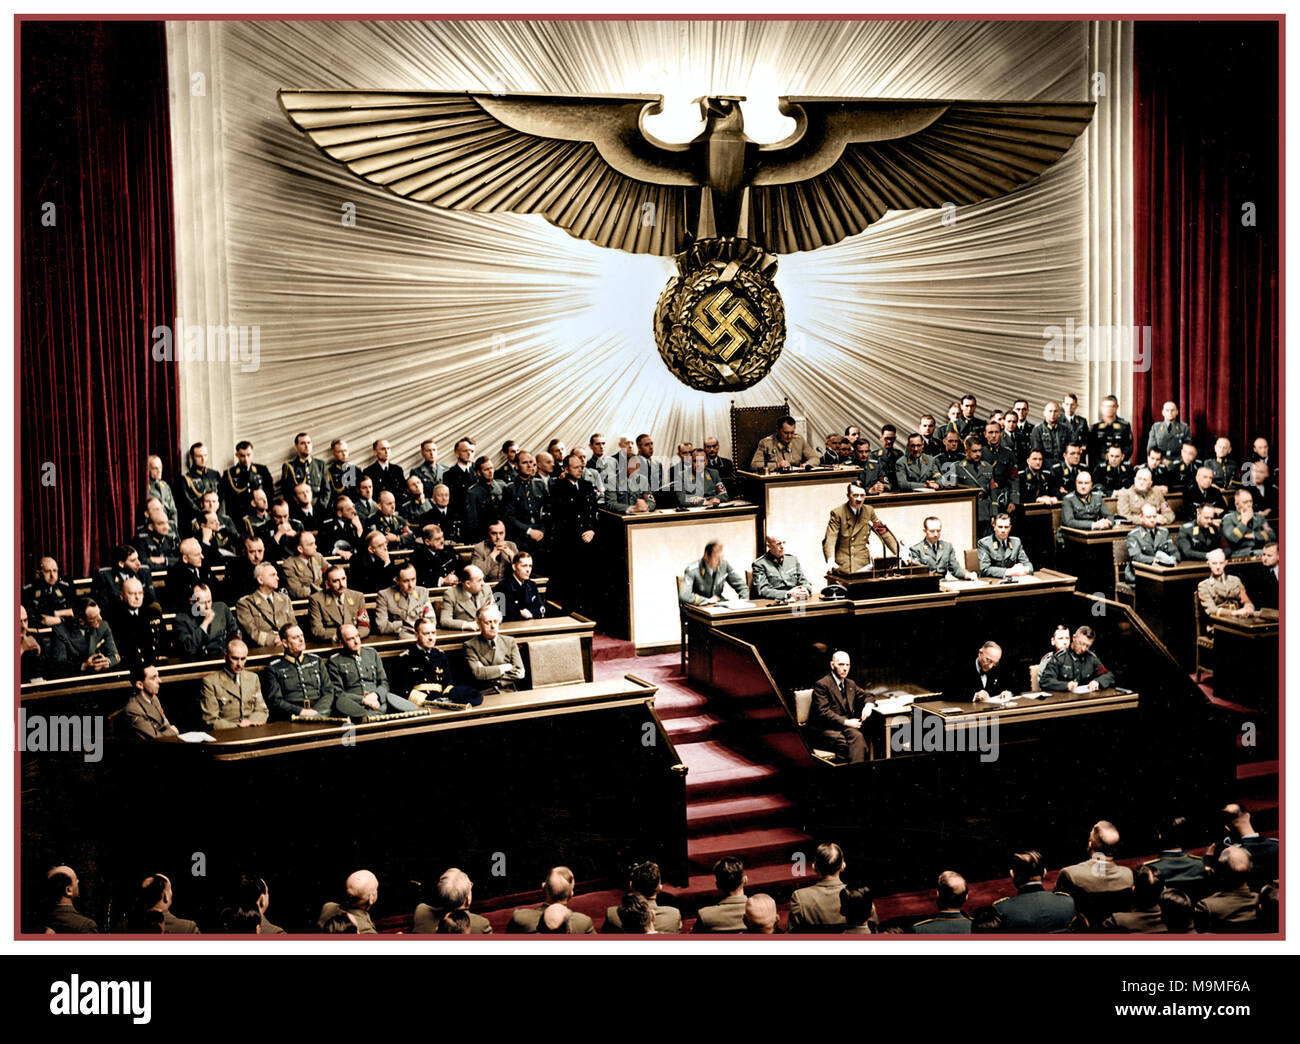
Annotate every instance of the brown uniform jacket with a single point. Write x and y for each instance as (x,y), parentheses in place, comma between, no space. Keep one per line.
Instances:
(427,918)
(304,576)
(668,919)
(145,718)
(327,613)
(261,620)
(817,906)
(846,538)
(526,919)
(225,698)
(727,916)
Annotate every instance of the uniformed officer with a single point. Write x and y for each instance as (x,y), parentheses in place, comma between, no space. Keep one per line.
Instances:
(1221,593)
(360,683)
(1245,532)
(778,575)
(523,507)
(1169,434)
(722,465)
(156,487)
(872,478)
(426,666)
(630,493)
(1149,543)
(951,455)
(108,581)
(204,627)
(706,580)
(1085,508)
(1036,483)
(1002,555)
(1182,472)
(933,445)
(415,506)
(1015,438)
(1175,865)
(83,642)
(329,610)
(302,468)
(783,450)
(950,897)
(1065,472)
(211,505)
(573,519)
(342,477)
(1226,470)
(936,554)
(297,683)
(1233,907)
(702,486)
(1078,668)
(1033,908)
(263,613)
(47,598)
(383,472)
(1198,538)
(304,573)
(1143,493)
(1161,473)
(1073,420)
(917,471)
(966,424)
(232,697)
(429,471)
(1050,436)
(887,456)
(158,544)
(137,627)
(198,479)
(395,529)
(240,479)
(1110,430)
(482,501)
(1115,474)
(845,544)
(975,473)
(1006,471)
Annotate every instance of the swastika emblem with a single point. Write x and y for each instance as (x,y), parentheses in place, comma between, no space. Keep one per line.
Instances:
(726,323)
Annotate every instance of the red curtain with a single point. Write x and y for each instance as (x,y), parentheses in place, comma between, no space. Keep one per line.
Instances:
(1206,280)
(97,275)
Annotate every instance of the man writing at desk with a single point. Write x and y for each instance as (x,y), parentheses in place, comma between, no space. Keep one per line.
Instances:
(706,579)
(984,682)
(784,450)
(845,542)
(1076,669)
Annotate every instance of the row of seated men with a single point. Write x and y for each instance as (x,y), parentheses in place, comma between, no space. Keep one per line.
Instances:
(125,623)
(1231,888)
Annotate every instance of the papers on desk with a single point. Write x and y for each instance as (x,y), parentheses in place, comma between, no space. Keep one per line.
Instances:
(736,603)
(197,737)
(892,704)
(962,585)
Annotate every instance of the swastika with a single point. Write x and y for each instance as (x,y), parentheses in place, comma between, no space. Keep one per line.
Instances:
(726,323)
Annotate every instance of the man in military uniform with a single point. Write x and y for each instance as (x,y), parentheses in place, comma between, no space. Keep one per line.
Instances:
(493,658)
(1270,558)
(1051,436)
(1234,907)
(158,545)
(1263,492)
(936,554)
(932,444)
(1006,471)
(460,475)
(1198,538)
(873,478)
(298,682)
(360,684)
(416,506)
(847,532)
(258,521)
(341,476)
(83,642)
(425,665)
(435,562)
(1078,668)
(344,534)
(975,473)
(1204,491)
(523,599)
(1175,865)
(1161,473)
(951,455)
(482,500)
(281,537)
(950,897)
(1182,473)
(783,450)
(400,607)
(263,613)
(702,486)
(1115,474)
(1149,543)
(777,575)
(232,697)
(1015,438)
(1075,422)
(888,456)
(1245,531)
(573,520)
(706,580)
(834,455)
(62,891)
(1085,508)
(47,598)
(557,890)
(240,479)
(918,471)
(1033,908)
(1099,886)
(1169,434)
(137,627)
(127,565)
(204,627)
(143,716)
(1143,494)
(1002,555)
(1221,593)
(198,479)
(429,471)
(1226,471)
(383,473)
(331,609)
(630,493)
(966,424)
(1110,430)
(304,573)
(395,529)
(1065,472)
(1036,484)
(818,905)
(302,468)
(722,465)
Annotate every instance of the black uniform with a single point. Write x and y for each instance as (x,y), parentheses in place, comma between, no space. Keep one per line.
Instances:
(573,512)
(42,599)
(139,635)
(1113,479)
(296,471)
(391,478)
(431,566)
(1067,666)
(1115,433)
(524,509)
(418,666)
(197,482)
(237,485)
(1196,542)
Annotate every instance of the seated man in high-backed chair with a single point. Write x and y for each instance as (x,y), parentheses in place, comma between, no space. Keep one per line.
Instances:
(838,709)
(1001,554)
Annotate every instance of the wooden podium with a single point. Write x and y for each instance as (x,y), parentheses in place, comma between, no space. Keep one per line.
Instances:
(887,578)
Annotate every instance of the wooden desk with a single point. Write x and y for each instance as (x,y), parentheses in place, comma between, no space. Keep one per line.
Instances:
(1245,659)
(1089,554)
(796,504)
(643,553)
(1164,599)
(1036,526)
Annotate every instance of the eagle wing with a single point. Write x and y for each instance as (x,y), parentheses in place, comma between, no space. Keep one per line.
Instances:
(850,160)
(585,163)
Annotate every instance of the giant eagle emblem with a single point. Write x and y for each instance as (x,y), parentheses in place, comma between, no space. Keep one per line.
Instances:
(725,206)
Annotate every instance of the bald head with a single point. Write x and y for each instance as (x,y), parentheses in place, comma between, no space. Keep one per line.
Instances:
(455,890)
(1104,839)
(555,918)
(558,887)
(760,914)
(363,888)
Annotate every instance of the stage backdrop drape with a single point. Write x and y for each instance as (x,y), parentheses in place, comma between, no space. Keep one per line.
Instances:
(96,278)
(379,316)
(1206,217)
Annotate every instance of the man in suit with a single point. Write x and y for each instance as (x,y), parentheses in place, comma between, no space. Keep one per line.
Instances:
(917,471)
(190,571)
(630,492)
(482,500)
(461,604)
(494,658)
(950,897)
(383,473)
(839,707)
(232,697)
(84,643)
(728,915)
(1268,586)
(1150,543)
(522,597)
(373,569)
(783,450)
(1263,491)
(1000,554)
(646,881)
(816,908)
(262,613)
(335,606)
(1099,886)
(936,554)
(435,562)
(453,891)
(156,895)
(494,555)
(1234,907)
(240,579)
(204,628)
(62,891)
(281,535)
(298,683)
(706,580)
(557,888)
(143,713)
(1078,668)
(304,573)
(360,683)
(845,543)
(362,889)
(779,576)
(1143,492)
(1033,908)
(400,607)
(981,679)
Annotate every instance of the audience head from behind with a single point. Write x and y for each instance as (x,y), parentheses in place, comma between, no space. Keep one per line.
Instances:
(240,920)
(454,922)
(645,880)
(1026,867)
(155,893)
(856,905)
(555,920)
(454,890)
(1233,869)
(760,915)
(252,892)
(1236,817)
(1103,840)
(950,894)
(729,875)
(558,886)
(61,886)
(829,861)
(636,915)
(1147,886)
(1176,910)
(1175,834)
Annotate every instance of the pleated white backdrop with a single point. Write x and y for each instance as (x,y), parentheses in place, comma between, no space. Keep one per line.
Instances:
(416,323)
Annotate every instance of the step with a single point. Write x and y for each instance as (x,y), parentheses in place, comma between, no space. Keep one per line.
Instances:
(679,703)
(731,812)
(715,768)
(1253,769)
(690,729)
(756,847)
(774,879)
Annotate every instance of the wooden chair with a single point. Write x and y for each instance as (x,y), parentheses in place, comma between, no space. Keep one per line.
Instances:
(1033,677)
(802,711)
(555,661)
(1123,589)
(972,559)
(749,582)
(681,617)
(749,426)
(1204,638)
